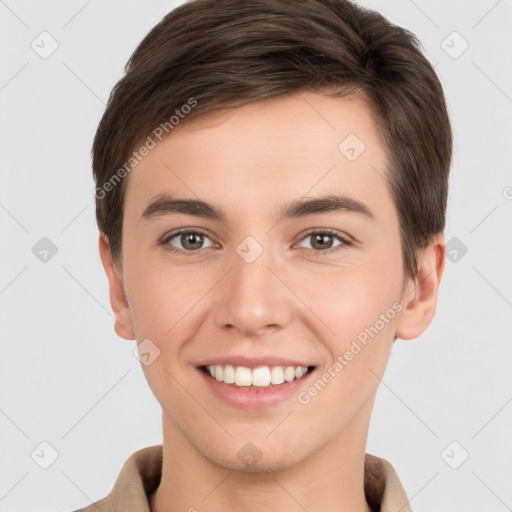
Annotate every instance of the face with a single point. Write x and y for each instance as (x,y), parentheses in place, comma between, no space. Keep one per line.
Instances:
(259,281)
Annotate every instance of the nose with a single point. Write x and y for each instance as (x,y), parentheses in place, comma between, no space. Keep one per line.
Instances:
(254,298)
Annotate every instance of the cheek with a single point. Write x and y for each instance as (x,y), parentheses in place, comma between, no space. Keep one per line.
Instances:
(352,298)
(164,304)
(360,305)
(164,301)
(361,320)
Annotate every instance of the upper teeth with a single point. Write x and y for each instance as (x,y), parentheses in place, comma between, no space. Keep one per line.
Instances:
(261,377)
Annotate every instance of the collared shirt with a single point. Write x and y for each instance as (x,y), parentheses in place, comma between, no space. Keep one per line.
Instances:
(141,473)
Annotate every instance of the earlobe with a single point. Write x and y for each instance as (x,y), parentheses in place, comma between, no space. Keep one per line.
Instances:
(420,299)
(123,324)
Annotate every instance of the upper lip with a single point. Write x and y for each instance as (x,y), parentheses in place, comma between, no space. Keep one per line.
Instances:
(253,362)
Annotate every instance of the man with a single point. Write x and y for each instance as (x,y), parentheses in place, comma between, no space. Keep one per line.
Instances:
(271,184)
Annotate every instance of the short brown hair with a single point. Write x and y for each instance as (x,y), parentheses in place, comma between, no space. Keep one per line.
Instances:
(216,54)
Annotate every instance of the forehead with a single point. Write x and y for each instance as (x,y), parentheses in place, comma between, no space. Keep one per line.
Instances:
(268,152)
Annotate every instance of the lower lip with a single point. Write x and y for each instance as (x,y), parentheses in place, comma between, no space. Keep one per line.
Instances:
(254,399)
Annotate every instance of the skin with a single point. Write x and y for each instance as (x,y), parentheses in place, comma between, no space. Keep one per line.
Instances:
(292,301)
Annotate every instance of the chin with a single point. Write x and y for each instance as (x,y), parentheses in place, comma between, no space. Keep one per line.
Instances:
(248,458)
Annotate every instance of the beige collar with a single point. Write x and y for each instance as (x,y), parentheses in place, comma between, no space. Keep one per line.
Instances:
(141,473)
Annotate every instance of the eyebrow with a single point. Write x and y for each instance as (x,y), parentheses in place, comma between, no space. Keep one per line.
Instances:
(164,204)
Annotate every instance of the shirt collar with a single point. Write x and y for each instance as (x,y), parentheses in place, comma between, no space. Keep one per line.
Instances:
(141,473)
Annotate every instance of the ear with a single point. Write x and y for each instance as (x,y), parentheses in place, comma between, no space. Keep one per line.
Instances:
(420,298)
(123,322)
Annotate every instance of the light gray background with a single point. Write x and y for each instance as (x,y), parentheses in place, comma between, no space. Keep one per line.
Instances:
(67,379)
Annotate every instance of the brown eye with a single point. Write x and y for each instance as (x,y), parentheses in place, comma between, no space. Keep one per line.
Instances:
(191,240)
(187,241)
(324,241)
(321,241)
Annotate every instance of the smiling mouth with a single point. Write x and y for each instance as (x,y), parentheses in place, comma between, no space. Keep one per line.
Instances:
(257,378)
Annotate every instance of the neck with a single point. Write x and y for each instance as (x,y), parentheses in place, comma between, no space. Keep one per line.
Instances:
(331,480)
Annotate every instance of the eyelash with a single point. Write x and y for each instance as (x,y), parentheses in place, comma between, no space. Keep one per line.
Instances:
(344,241)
